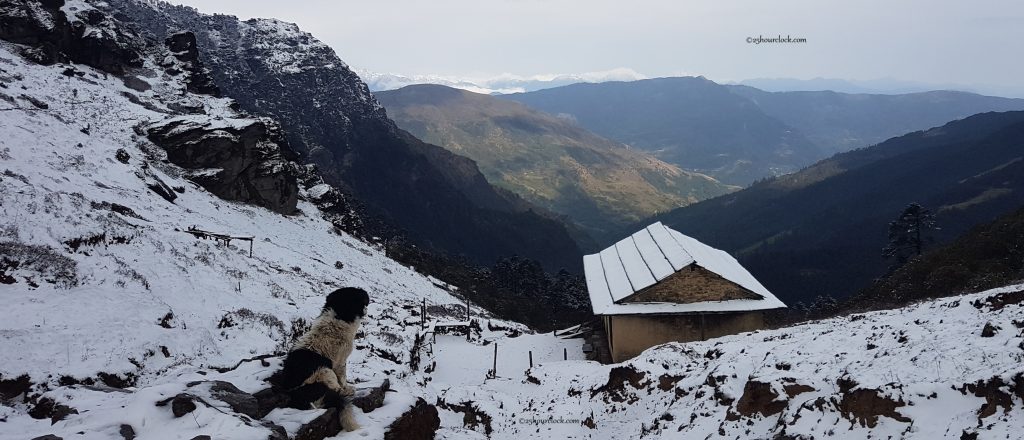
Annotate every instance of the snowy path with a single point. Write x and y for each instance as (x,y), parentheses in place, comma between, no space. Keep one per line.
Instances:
(466,363)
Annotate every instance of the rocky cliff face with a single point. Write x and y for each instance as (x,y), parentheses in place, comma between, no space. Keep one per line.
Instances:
(90,38)
(235,159)
(234,156)
(330,118)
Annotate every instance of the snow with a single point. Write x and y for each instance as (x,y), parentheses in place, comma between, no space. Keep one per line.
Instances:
(651,255)
(288,49)
(220,305)
(921,355)
(58,183)
(640,275)
(462,364)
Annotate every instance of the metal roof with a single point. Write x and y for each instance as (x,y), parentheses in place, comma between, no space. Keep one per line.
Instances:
(653,254)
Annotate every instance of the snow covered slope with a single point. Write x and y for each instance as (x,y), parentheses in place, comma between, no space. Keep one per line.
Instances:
(949,368)
(102,287)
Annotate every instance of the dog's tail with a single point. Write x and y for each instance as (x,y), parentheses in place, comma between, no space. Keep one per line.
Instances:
(346,417)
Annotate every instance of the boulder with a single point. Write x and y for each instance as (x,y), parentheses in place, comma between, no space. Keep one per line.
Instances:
(236,159)
(418,423)
(239,401)
(372,399)
(326,425)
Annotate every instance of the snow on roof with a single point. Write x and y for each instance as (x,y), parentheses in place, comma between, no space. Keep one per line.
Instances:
(653,254)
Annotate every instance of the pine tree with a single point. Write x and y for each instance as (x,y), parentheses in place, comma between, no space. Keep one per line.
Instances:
(909,233)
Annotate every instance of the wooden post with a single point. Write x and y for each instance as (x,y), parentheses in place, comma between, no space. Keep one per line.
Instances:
(467,309)
(531,358)
(423,313)
(565,354)
(494,368)
(250,247)
(702,336)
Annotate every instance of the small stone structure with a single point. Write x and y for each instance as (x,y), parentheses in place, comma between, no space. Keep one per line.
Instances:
(659,286)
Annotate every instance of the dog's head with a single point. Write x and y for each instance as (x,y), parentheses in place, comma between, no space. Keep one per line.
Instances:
(348,303)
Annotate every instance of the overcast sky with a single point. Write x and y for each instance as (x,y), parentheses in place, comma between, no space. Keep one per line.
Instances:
(939,41)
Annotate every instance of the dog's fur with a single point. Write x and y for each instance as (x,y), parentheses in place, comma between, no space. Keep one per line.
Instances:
(313,374)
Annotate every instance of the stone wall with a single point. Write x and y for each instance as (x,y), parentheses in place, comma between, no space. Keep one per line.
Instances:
(629,335)
(692,284)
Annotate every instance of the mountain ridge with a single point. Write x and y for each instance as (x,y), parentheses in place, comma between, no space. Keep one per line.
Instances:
(439,200)
(691,122)
(550,161)
(818,223)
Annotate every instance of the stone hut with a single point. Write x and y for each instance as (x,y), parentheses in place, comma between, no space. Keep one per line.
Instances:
(659,286)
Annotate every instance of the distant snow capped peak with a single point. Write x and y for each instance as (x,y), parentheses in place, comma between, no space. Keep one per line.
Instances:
(499,84)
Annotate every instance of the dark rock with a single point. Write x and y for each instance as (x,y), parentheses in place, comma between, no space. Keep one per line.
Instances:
(277,432)
(996,392)
(867,405)
(48,437)
(35,102)
(158,186)
(794,389)
(372,399)
(186,108)
(667,382)
(136,83)
(198,79)
(759,398)
(11,388)
(248,153)
(201,437)
(618,377)
(326,425)
(418,423)
(116,381)
(472,415)
(267,400)
(122,156)
(52,38)
(989,330)
(47,408)
(1000,300)
(127,432)
(239,401)
(182,404)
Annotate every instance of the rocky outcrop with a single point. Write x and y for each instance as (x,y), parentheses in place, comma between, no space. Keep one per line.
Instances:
(185,50)
(235,159)
(88,37)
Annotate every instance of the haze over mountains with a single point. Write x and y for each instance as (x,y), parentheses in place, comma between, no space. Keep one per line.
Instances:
(738,134)
(549,161)
(498,84)
(883,86)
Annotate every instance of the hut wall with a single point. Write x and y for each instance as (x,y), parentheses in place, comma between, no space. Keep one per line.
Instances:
(629,335)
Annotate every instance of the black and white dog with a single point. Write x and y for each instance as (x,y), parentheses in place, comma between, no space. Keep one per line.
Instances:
(313,374)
